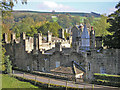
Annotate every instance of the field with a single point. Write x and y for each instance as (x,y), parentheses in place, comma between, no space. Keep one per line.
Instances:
(10,82)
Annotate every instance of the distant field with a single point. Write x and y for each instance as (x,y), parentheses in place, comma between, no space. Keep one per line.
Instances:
(10,82)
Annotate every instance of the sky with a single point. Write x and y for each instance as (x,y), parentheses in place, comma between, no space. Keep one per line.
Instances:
(99,6)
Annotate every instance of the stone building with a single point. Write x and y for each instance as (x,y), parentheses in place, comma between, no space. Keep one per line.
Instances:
(83,37)
(36,54)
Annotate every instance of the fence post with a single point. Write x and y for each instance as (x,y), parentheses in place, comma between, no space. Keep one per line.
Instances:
(23,75)
(35,79)
(77,85)
(84,87)
(48,82)
(92,86)
(66,84)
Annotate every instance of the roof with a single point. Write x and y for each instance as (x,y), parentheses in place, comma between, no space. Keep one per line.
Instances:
(85,33)
(66,70)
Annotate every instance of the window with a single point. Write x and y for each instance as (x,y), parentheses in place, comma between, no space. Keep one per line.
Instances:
(57,63)
(43,69)
(88,66)
(102,70)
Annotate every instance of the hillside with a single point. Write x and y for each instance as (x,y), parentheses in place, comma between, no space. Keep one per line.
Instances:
(71,13)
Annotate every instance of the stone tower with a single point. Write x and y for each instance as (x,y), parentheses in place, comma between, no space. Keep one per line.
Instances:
(85,39)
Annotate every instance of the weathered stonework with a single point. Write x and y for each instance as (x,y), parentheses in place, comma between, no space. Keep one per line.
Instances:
(29,53)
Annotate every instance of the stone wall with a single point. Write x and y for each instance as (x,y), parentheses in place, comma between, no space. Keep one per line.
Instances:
(106,61)
(29,58)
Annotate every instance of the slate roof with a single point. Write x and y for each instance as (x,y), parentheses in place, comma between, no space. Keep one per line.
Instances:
(65,70)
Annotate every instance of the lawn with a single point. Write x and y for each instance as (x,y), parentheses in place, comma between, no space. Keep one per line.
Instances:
(11,82)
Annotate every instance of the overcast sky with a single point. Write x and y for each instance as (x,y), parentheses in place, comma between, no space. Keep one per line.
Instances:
(98,6)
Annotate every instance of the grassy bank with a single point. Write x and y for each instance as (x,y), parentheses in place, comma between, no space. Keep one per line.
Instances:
(11,82)
(107,79)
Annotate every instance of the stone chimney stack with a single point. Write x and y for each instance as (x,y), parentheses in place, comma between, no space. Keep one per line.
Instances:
(92,38)
(49,37)
(58,46)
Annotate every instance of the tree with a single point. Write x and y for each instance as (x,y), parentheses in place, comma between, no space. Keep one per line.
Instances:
(49,26)
(101,26)
(6,7)
(75,20)
(64,21)
(113,41)
(8,66)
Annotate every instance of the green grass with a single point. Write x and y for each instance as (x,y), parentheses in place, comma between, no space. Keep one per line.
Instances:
(106,75)
(11,82)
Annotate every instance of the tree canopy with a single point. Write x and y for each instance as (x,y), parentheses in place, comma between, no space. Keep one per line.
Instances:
(101,26)
(113,41)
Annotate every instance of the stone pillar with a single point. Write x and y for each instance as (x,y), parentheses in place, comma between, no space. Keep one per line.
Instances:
(49,37)
(39,40)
